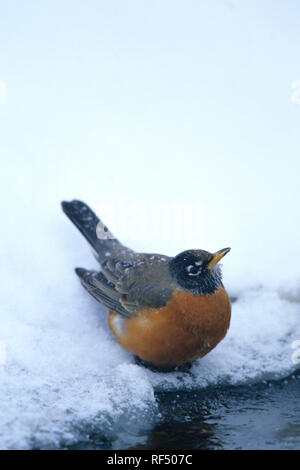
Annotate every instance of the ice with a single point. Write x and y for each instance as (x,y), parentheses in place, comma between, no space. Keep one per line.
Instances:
(180,127)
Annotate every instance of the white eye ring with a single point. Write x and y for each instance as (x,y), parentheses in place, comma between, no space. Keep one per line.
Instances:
(191,266)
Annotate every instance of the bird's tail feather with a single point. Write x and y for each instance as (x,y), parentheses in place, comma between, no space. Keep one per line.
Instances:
(97,234)
(87,223)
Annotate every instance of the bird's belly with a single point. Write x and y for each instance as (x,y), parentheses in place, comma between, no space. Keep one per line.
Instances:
(187,328)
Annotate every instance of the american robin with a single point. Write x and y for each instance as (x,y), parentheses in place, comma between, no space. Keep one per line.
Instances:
(168,311)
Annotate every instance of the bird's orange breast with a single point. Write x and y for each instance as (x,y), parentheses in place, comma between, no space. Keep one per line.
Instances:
(187,328)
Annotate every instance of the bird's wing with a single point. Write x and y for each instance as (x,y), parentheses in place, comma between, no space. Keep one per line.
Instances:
(102,290)
(126,287)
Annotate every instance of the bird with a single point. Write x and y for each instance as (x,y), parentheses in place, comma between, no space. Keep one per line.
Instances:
(167,311)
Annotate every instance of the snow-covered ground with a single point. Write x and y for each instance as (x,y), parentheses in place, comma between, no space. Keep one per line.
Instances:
(180,124)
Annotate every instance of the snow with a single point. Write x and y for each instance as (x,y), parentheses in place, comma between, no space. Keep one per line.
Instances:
(180,127)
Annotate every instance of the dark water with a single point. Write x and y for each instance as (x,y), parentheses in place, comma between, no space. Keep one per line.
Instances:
(261,416)
(265,416)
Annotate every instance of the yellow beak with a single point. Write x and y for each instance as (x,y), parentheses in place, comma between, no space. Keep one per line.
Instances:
(217,256)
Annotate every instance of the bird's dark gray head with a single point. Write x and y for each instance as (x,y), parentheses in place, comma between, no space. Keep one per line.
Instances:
(197,270)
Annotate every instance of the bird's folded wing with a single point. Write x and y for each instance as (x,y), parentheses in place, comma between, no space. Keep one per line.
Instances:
(123,286)
(102,290)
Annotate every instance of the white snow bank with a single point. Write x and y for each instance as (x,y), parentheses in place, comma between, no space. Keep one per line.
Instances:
(63,369)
